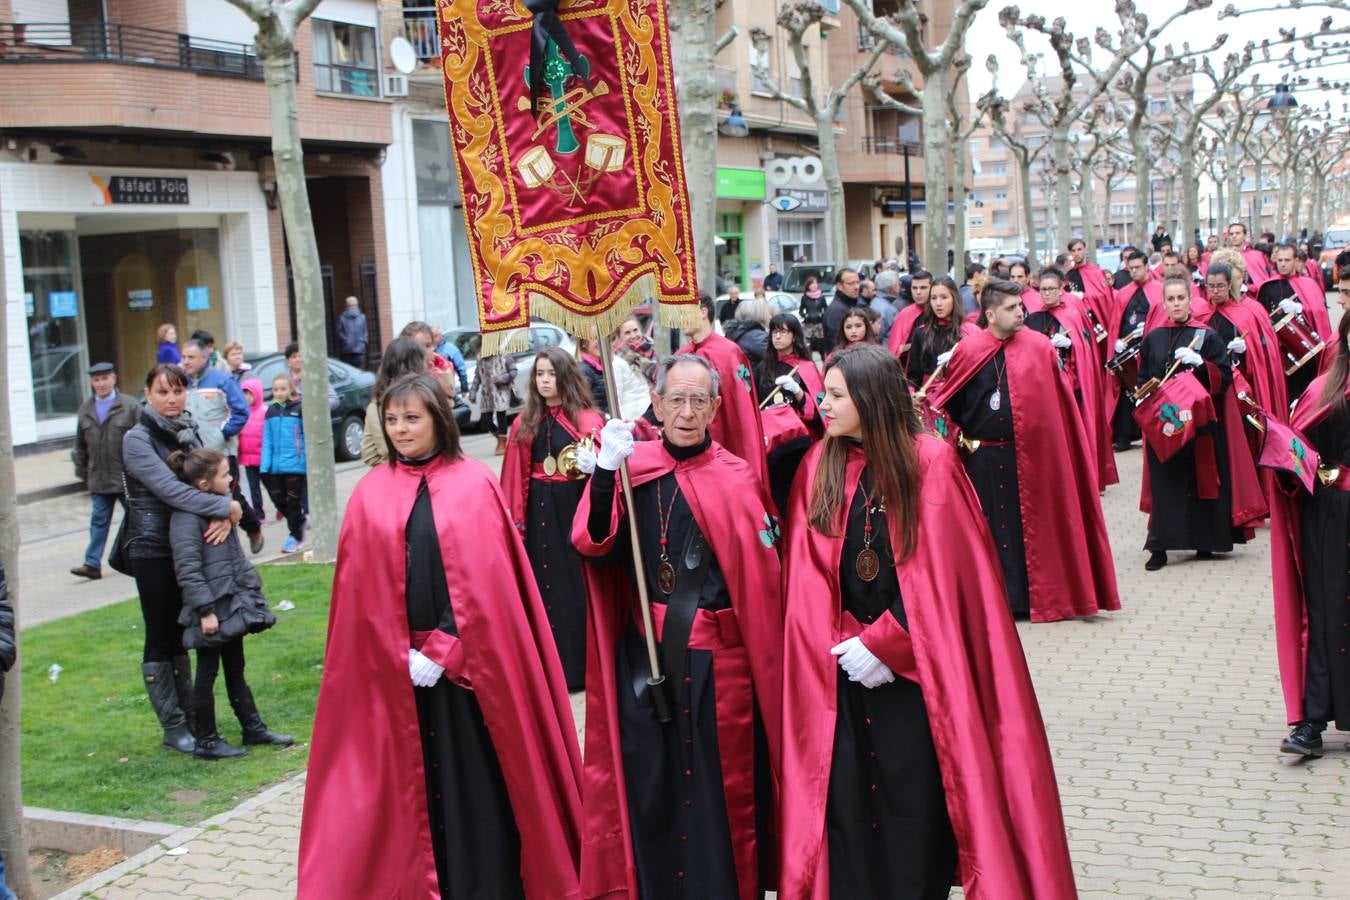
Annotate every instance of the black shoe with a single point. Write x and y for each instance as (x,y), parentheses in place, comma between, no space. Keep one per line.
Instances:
(256,541)
(214,746)
(1121,446)
(1204,554)
(1304,740)
(255,729)
(1156,560)
(159,684)
(89,572)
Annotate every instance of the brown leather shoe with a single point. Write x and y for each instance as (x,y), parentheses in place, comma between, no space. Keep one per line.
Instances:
(87,572)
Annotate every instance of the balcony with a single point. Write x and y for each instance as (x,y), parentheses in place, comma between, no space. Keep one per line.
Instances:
(94,42)
(419,27)
(879,160)
(867,42)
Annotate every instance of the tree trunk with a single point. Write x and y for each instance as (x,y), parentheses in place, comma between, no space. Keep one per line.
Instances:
(1143,188)
(935,148)
(12,843)
(1281,201)
(1087,201)
(692,29)
(1169,216)
(1028,216)
(1059,140)
(834,186)
(1108,187)
(959,206)
(1296,206)
(1234,210)
(1190,199)
(1258,199)
(278,58)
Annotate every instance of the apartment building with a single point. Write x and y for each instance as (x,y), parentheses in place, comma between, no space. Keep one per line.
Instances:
(137,185)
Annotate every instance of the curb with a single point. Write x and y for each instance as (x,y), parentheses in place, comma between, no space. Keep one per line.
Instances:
(72,832)
(50,493)
(88,887)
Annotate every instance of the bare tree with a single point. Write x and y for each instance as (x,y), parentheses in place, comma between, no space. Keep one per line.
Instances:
(1102,130)
(996,109)
(822,103)
(278,21)
(959,131)
(904,29)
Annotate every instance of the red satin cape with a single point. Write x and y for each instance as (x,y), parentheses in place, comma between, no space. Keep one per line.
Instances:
(731,509)
(365,831)
(1310,294)
(991,745)
(903,327)
(736,425)
(1154,292)
(1070,572)
(519,457)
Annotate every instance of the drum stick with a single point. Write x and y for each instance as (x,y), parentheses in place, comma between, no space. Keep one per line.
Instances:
(778,391)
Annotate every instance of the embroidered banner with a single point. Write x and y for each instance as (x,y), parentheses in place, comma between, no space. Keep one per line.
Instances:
(567,145)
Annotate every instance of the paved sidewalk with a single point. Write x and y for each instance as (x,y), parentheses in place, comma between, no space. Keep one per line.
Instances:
(1165,720)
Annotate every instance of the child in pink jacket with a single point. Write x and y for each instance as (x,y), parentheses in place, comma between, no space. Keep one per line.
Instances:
(250,442)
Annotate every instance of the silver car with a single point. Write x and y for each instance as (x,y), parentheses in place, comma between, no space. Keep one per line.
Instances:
(542,334)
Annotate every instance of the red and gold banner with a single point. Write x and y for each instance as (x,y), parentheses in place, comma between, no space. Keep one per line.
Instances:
(567,145)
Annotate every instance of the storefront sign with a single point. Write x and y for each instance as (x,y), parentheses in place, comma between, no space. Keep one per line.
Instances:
(141,189)
(141,301)
(740,184)
(198,298)
(63,304)
(814,201)
(29,305)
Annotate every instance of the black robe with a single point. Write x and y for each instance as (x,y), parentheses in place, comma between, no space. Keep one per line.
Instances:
(887,827)
(1124,428)
(1270,295)
(925,346)
(1179,519)
(1325,524)
(993,471)
(785,460)
(550,508)
(473,828)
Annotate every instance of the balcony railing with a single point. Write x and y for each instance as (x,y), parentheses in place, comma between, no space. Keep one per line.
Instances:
(877,144)
(111,41)
(867,42)
(419,27)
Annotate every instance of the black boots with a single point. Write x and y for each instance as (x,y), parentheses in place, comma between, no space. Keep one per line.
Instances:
(1305,740)
(1156,560)
(213,746)
(182,684)
(160,685)
(255,729)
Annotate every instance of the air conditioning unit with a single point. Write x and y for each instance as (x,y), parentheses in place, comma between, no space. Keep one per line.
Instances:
(396,85)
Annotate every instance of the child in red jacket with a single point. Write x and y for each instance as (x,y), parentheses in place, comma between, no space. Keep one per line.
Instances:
(250,442)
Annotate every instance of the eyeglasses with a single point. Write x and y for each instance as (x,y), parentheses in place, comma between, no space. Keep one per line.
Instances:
(696,402)
(1217,288)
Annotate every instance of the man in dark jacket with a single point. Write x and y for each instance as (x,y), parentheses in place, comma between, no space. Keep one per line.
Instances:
(352,334)
(847,286)
(104,419)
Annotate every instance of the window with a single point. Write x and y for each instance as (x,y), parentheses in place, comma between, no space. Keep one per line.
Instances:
(976,221)
(344,59)
(997,145)
(798,239)
(1002,218)
(1158,106)
(974,145)
(1001,195)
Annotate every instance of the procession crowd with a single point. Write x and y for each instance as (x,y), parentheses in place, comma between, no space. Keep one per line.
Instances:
(783,564)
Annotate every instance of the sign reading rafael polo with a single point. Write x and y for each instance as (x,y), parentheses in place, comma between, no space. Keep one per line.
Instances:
(140,189)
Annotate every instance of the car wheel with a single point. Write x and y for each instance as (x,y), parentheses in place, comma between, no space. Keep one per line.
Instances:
(349,436)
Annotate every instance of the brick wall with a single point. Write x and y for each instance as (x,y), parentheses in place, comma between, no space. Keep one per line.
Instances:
(168,15)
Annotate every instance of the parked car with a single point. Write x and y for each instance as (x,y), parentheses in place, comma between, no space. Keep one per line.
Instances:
(1334,243)
(1109,259)
(795,280)
(779,301)
(542,334)
(353,387)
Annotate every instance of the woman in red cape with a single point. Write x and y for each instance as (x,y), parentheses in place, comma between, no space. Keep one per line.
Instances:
(1312,566)
(543,499)
(788,435)
(906,670)
(438,654)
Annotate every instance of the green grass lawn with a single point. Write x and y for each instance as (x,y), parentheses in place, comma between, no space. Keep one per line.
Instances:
(91,742)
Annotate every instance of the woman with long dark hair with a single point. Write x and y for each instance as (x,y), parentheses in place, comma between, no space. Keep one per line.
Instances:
(153,493)
(405,356)
(542,494)
(856,327)
(898,636)
(787,368)
(444,761)
(788,354)
(812,309)
(939,327)
(1313,543)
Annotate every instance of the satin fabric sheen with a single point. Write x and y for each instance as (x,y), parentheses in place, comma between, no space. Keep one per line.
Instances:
(1119,303)
(729,508)
(516,463)
(736,425)
(996,766)
(365,830)
(1070,572)
(903,327)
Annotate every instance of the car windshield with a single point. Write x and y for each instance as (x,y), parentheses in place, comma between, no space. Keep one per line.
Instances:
(795,282)
(1337,237)
(468,343)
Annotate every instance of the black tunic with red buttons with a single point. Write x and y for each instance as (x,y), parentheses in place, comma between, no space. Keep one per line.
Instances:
(888,832)
(993,470)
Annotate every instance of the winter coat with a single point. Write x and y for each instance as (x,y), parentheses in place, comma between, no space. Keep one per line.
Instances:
(219,408)
(9,647)
(153,490)
(250,438)
(214,578)
(491,396)
(751,336)
(283,443)
(595,379)
(373,448)
(168,353)
(635,392)
(98,448)
(352,334)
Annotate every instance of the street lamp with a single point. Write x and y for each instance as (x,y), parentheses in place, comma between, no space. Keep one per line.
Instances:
(1284,100)
(734,125)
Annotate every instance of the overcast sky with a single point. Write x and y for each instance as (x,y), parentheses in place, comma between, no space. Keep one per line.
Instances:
(1199,28)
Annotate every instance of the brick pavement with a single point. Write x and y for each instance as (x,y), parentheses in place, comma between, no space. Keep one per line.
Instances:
(1165,720)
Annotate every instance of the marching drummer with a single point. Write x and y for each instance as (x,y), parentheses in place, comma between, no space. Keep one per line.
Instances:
(1191,496)
(1132,305)
(1291,293)
(791,386)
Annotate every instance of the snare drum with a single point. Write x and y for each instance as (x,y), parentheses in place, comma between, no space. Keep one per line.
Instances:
(1125,366)
(784,431)
(1299,344)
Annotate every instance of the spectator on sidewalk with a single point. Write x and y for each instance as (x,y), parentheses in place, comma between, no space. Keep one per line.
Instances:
(283,459)
(167,335)
(207,340)
(220,410)
(232,362)
(437,365)
(8,653)
(447,349)
(774,280)
(292,354)
(404,356)
(250,443)
(352,334)
(103,420)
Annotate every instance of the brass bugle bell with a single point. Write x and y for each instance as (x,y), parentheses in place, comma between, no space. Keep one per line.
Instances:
(567,459)
(970,445)
(1328,476)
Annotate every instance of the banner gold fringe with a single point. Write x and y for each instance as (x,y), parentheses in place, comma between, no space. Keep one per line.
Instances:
(584,324)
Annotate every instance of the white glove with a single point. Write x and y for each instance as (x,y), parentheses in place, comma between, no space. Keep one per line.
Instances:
(1120,346)
(1138,332)
(616,444)
(1188,357)
(1061,341)
(421,669)
(586,460)
(944,358)
(1237,345)
(789,384)
(861,665)
(1290,305)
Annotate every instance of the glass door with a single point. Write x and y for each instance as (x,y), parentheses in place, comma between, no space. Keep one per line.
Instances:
(53,309)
